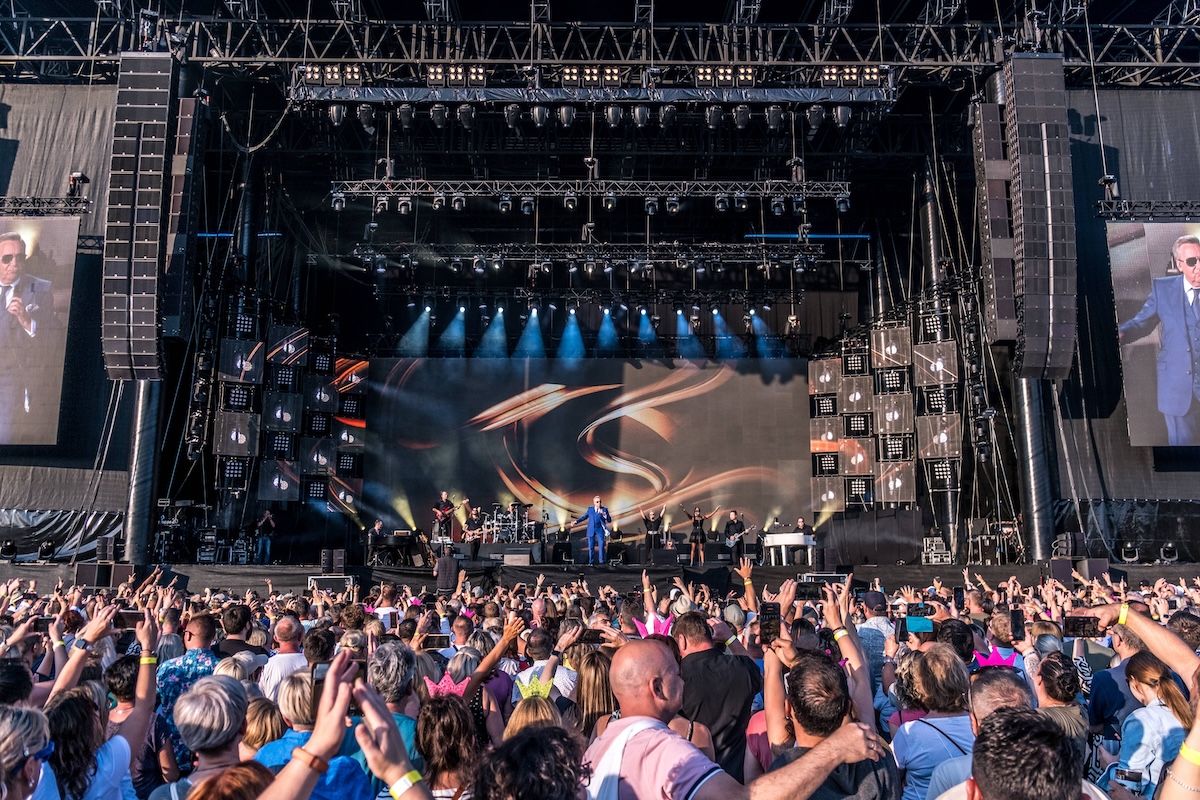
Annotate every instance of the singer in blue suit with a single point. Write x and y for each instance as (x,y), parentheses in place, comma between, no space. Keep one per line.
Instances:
(598,522)
(1174,304)
(30,341)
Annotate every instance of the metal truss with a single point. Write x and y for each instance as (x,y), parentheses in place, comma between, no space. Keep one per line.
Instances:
(1160,54)
(446,189)
(44,206)
(630,298)
(1148,209)
(635,257)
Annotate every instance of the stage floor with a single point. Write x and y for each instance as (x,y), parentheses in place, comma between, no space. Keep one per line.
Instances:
(237,579)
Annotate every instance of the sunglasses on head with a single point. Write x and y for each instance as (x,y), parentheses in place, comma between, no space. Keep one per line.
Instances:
(1191,262)
(40,755)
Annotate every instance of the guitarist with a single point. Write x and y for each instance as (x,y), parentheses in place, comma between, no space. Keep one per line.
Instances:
(473,530)
(443,515)
(735,529)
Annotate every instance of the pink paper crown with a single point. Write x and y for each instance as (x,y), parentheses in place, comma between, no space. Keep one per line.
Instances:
(446,686)
(995,659)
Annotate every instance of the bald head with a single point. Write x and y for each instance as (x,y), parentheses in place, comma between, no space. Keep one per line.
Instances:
(645,680)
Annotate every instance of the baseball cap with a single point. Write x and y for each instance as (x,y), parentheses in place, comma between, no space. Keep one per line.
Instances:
(735,616)
(874,600)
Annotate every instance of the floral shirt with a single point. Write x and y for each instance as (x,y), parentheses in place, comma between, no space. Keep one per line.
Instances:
(174,678)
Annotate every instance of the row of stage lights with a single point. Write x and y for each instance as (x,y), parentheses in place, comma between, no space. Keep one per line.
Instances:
(467,115)
(608,76)
(572,306)
(527,204)
(480,264)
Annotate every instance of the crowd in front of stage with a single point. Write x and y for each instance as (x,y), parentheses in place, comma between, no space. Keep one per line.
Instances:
(553,692)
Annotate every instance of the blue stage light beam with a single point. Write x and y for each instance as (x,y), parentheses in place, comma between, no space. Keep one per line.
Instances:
(453,341)
(729,344)
(415,342)
(767,342)
(647,338)
(608,341)
(570,347)
(689,345)
(530,344)
(494,343)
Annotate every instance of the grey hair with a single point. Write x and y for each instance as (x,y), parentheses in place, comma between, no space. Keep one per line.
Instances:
(1182,240)
(390,671)
(13,236)
(295,699)
(22,731)
(481,640)
(210,715)
(464,663)
(170,645)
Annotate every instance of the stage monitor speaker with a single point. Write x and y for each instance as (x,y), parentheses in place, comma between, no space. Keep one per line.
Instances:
(1090,568)
(333,584)
(93,574)
(661,557)
(333,562)
(562,553)
(120,573)
(518,557)
(1060,570)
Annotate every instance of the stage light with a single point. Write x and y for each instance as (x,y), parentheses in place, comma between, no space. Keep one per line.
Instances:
(843,202)
(8,550)
(642,310)
(841,117)
(439,201)
(46,550)
(512,115)
(607,311)
(741,116)
(774,115)
(570,76)
(610,201)
(614,114)
(666,115)
(546,267)
(777,206)
(814,116)
(310,74)
(438,114)
(337,114)
(871,75)
(829,74)
(380,261)
(608,267)
(338,201)
(1168,553)
(740,202)
(712,117)
(798,204)
(527,205)
(497,262)
(435,75)
(466,116)
(566,116)
(651,205)
(504,204)
(1129,553)
(721,202)
(476,75)
(591,76)
(381,205)
(479,264)
(679,312)
(572,267)
(540,115)
(724,76)
(456,265)
(456,75)
(611,77)
(458,202)
(333,75)
(672,205)
(641,116)
(405,115)
(366,117)
(744,76)
(570,201)
(404,205)
(704,76)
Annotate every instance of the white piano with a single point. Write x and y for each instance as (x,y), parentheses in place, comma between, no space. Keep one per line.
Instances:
(777,546)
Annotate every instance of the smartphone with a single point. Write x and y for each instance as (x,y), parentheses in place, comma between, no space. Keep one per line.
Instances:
(808,590)
(902,630)
(591,636)
(960,597)
(1081,627)
(319,671)
(42,624)
(769,620)
(126,620)
(437,641)
(1131,779)
(1017,619)
(919,610)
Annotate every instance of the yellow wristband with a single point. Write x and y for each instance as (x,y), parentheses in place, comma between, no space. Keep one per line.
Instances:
(60,644)
(404,784)
(730,641)
(1189,754)
(838,634)
(1124,613)
(747,582)
(148,660)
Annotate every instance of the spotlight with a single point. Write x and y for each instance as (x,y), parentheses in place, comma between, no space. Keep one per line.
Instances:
(404,205)
(479,264)
(46,550)
(540,115)
(841,117)
(570,201)
(615,115)
(1129,553)
(458,202)
(704,76)
(476,75)
(337,114)
(815,116)
(611,77)
(380,264)
(1167,554)
(466,116)
(439,201)
(438,115)
(8,550)
(672,205)
(610,201)
(497,263)
(641,116)
(666,115)
(721,202)
(512,115)
(712,117)
(774,116)
(527,205)
(798,204)
(504,204)
(740,203)
(741,116)
(843,202)
(366,117)
(381,205)
(651,206)
(405,115)
(566,116)
(338,201)
(456,265)
(777,206)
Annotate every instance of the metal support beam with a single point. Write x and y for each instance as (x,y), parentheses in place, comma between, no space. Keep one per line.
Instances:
(427,189)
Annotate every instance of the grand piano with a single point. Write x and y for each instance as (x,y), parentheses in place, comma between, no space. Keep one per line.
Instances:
(777,547)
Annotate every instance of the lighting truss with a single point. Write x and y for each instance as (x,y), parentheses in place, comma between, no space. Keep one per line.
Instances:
(44,206)
(426,189)
(636,257)
(1149,209)
(604,298)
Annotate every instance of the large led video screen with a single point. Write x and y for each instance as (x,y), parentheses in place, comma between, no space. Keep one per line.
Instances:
(552,434)
(37,269)
(1156,284)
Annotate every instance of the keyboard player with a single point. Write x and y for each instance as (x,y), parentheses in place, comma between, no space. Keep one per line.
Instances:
(804,529)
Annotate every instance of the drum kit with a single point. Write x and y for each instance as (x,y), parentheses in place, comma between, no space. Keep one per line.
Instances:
(510,526)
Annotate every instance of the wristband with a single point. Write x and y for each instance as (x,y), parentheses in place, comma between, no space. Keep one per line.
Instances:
(313,762)
(148,660)
(889,660)
(839,633)
(1188,754)
(746,581)
(730,640)
(404,784)
(60,644)
(1122,617)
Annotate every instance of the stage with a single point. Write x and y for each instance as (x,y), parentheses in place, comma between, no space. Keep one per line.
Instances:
(235,580)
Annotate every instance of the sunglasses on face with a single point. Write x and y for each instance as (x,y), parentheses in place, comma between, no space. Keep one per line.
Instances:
(7,258)
(1191,262)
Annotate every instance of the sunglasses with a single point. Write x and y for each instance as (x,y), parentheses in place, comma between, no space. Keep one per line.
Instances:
(41,755)
(1191,262)
(7,258)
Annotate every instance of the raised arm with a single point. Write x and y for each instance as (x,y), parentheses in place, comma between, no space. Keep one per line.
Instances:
(138,722)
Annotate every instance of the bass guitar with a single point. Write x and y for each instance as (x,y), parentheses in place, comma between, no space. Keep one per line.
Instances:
(440,515)
(731,541)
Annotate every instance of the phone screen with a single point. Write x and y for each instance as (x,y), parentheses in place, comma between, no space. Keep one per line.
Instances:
(1081,627)
(1017,618)
(959,597)
(769,619)
(437,641)
(591,636)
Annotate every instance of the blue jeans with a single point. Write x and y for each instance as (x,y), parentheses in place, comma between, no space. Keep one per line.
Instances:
(262,553)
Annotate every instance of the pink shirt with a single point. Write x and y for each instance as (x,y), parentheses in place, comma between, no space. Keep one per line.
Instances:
(657,765)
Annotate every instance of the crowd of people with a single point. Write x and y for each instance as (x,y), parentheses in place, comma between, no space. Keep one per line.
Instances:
(553,692)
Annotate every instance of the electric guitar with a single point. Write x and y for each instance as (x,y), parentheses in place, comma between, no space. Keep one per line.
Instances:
(730,541)
(441,516)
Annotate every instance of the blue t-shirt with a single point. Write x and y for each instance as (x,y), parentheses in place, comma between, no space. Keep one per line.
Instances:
(344,779)
(408,733)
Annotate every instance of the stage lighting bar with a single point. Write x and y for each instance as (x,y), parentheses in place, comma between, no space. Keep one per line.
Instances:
(740,190)
(623,255)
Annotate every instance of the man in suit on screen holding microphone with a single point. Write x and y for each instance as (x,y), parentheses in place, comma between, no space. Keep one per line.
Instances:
(28,329)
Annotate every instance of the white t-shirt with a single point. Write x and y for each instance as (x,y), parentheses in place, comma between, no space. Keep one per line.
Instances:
(112,780)
(919,749)
(278,668)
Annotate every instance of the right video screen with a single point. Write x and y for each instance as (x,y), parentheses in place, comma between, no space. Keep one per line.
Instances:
(1156,285)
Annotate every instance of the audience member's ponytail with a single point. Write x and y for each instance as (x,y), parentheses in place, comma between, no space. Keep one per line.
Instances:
(1149,670)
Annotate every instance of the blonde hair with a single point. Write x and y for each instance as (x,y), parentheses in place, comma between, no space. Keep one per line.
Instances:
(231,667)
(940,679)
(532,712)
(22,731)
(424,666)
(295,699)
(264,723)
(1147,669)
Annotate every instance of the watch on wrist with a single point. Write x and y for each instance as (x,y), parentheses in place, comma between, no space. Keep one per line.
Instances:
(556,654)
(83,644)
